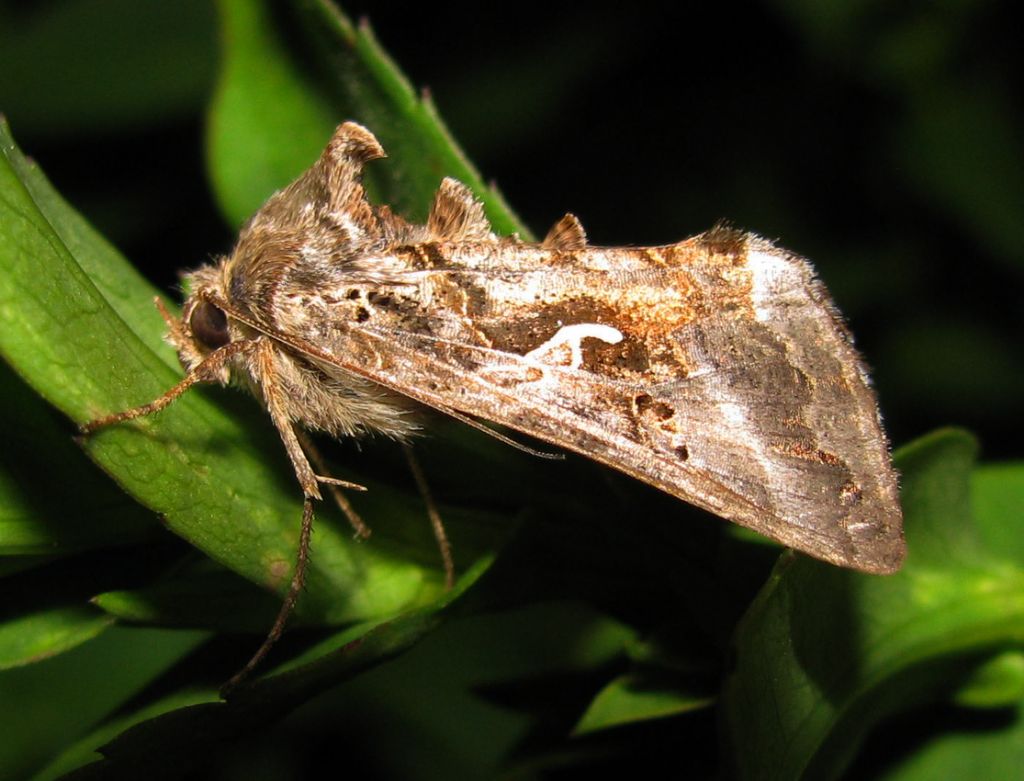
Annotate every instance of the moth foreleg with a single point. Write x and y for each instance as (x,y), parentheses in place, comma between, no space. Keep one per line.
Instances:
(287,607)
(208,370)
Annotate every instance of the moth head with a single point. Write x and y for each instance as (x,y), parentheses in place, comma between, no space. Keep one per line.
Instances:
(204,327)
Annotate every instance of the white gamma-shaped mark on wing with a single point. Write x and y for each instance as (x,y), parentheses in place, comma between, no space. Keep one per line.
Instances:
(570,336)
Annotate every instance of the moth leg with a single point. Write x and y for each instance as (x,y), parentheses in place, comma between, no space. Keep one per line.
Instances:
(298,579)
(435,517)
(206,371)
(362,531)
(272,397)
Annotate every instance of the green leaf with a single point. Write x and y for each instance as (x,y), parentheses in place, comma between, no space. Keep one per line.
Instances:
(997,497)
(83,750)
(269,120)
(183,738)
(274,112)
(823,654)
(37,521)
(996,683)
(632,698)
(989,751)
(201,595)
(39,715)
(35,636)
(673,671)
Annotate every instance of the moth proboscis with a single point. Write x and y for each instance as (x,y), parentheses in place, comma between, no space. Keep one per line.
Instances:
(716,369)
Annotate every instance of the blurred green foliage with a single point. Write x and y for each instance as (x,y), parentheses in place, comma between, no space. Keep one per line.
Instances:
(598,624)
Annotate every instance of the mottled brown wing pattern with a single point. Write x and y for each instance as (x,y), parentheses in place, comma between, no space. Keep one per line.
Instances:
(744,396)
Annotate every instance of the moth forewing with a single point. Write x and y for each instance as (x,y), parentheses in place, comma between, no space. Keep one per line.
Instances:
(759,411)
(783,440)
(716,369)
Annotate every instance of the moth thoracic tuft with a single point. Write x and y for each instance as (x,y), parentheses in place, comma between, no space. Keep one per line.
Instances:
(716,369)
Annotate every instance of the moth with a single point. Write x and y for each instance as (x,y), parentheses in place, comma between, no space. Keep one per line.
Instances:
(716,369)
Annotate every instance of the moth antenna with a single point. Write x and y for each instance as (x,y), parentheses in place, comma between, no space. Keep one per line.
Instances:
(566,234)
(499,436)
(456,214)
(435,517)
(173,323)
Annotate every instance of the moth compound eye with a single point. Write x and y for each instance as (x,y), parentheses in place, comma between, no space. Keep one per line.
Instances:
(209,325)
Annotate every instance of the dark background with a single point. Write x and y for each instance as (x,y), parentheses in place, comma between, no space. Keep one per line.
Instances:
(881,140)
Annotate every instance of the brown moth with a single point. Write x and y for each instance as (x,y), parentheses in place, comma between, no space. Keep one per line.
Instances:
(716,369)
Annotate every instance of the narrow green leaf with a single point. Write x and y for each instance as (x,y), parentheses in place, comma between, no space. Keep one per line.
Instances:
(632,698)
(996,683)
(824,654)
(39,715)
(197,594)
(83,751)
(274,112)
(997,498)
(35,520)
(996,752)
(371,87)
(182,738)
(269,119)
(35,636)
